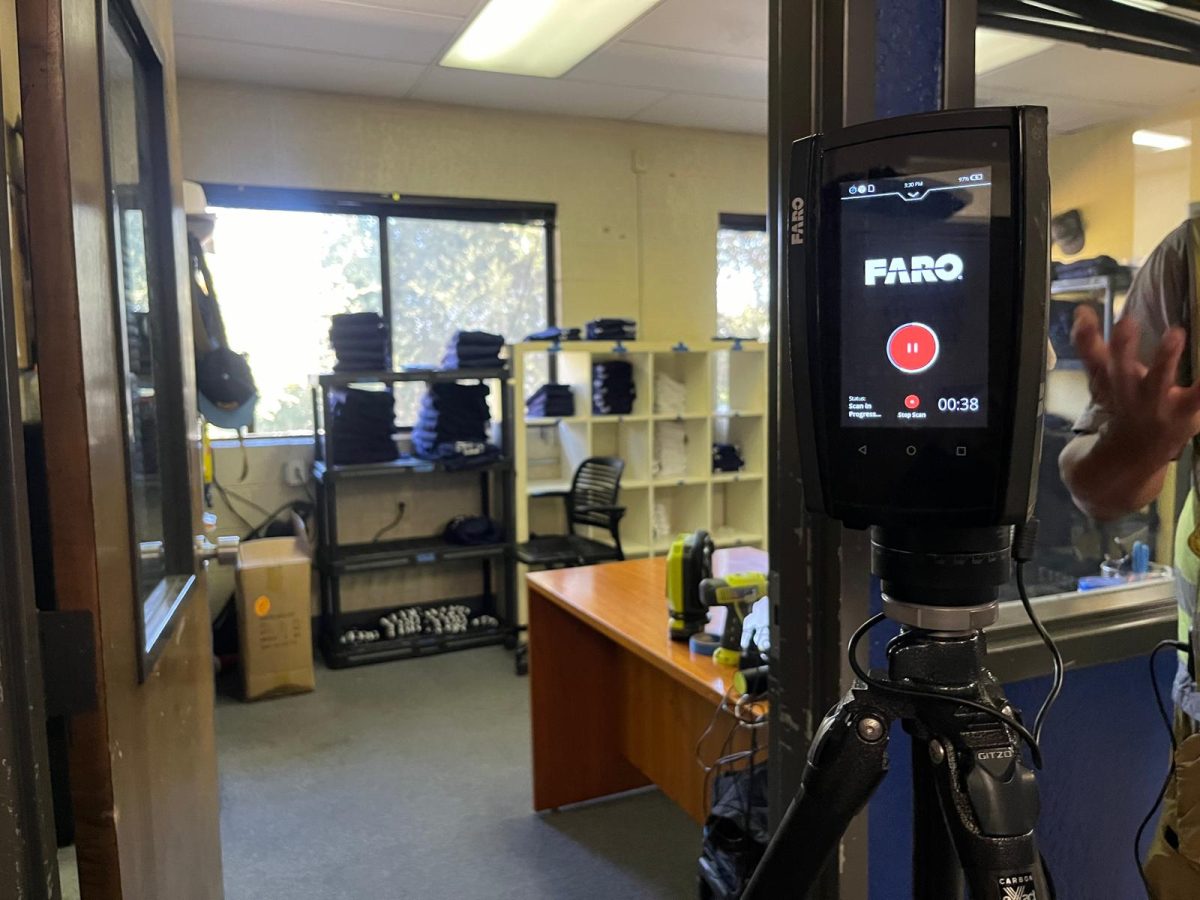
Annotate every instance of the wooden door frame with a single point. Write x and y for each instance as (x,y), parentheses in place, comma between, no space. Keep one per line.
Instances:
(143,763)
(28,860)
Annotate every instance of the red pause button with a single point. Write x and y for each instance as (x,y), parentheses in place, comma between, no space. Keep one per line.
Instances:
(913,347)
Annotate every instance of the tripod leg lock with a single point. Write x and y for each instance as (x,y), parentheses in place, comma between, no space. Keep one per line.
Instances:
(1003,792)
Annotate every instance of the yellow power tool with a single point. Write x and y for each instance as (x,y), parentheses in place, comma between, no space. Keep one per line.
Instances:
(737,593)
(689,562)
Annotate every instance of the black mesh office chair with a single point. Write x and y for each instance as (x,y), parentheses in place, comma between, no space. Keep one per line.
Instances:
(591,502)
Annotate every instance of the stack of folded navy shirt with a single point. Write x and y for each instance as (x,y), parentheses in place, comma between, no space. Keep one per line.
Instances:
(611,330)
(362,425)
(473,350)
(554,334)
(551,401)
(613,391)
(727,458)
(452,426)
(360,342)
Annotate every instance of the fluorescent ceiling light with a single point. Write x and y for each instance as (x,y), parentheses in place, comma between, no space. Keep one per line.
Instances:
(1147,5)
(1158,140)
(1071,14)
(545,38)
(1157,6)
(996,49)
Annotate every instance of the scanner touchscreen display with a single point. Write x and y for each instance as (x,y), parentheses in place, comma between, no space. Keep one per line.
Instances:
(915,288)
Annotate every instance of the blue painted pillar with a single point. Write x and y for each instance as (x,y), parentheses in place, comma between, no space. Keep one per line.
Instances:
(909,40)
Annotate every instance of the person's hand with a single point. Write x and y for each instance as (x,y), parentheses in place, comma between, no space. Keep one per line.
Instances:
(1150,414)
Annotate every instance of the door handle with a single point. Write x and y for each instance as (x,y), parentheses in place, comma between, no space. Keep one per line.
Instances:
(224,551)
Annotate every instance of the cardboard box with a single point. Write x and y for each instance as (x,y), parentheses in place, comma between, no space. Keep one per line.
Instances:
(274,617)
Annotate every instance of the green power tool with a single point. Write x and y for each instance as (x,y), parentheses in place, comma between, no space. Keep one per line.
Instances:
(737,593)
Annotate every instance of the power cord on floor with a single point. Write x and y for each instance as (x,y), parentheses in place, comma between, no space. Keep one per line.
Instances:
(1162,791)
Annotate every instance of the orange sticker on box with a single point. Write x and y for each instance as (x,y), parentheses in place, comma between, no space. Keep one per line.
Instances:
(262,605)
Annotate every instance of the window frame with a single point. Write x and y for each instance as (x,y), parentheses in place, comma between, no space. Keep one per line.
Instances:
(742,222)
(157,616)
(382,207)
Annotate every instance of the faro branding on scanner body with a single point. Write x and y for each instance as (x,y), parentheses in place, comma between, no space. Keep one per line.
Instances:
(918,270)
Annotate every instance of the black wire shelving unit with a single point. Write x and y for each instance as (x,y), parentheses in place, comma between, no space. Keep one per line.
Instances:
(497,563)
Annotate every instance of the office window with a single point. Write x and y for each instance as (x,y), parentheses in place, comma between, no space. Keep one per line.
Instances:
(448,274)
(279,276)
(284,262)
(743,287)
(743,276)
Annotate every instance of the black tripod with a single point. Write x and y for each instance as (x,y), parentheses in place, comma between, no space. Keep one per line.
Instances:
(975,800)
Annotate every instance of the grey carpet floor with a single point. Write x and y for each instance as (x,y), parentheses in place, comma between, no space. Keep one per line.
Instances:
(411,779)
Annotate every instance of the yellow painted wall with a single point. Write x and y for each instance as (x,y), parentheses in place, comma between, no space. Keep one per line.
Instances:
(1092,171)
(637,204)
(1129,197)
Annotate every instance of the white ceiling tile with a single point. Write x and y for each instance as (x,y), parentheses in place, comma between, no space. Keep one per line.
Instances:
(1067,114)
(458,9)
(640,65)
(206,58)
(546,95)
(1071,70)
(461,8)
(719,113)
(731,27)
(350,29)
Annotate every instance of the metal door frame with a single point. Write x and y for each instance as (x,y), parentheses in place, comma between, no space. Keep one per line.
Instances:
(826,59)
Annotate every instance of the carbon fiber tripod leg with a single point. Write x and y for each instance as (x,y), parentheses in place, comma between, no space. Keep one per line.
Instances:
(989,800)
(847,761)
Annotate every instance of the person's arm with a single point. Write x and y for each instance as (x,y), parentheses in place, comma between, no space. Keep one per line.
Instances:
(1149,419)
(1108,477)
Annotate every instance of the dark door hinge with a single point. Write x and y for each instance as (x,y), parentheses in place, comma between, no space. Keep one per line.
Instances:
(68,661)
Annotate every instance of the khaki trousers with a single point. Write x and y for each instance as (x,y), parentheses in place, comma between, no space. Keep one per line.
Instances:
(1173,863)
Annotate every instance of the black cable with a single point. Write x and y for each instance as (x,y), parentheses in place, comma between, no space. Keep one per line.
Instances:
(1023,546)
(1055,654)
(226,493)
(1162,791)
(232,509)
(890,687)
(401,508)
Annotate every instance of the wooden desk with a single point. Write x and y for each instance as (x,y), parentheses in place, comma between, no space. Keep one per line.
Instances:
(616,704)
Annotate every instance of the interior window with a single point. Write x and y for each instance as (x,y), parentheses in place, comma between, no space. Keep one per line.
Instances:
(160,515)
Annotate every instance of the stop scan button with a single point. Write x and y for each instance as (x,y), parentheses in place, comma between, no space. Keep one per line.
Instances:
(913,348)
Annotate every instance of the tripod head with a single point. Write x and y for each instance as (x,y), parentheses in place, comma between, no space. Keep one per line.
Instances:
(941,579)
